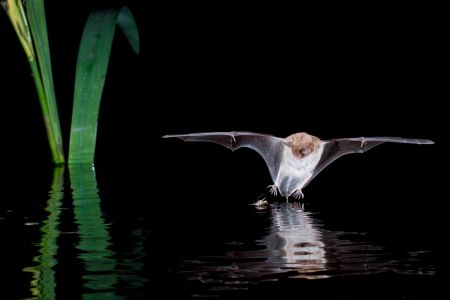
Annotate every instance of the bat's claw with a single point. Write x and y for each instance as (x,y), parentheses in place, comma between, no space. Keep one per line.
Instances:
(298,194)
(363,144)
(274,189)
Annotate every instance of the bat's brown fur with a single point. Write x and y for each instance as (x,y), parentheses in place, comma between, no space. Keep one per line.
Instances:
(303,144)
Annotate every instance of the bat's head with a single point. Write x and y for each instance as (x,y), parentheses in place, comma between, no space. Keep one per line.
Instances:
(302,144)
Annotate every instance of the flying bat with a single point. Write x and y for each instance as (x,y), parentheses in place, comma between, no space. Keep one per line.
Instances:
(295,160)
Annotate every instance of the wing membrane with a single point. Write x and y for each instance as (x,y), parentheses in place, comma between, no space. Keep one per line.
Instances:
(333,149)
(268,146)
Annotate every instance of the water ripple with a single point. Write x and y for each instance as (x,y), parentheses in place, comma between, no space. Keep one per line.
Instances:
(297,246)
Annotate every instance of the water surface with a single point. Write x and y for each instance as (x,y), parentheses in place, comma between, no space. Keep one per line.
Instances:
(76,239)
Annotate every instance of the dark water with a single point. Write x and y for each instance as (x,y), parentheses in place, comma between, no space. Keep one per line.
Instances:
(74,235)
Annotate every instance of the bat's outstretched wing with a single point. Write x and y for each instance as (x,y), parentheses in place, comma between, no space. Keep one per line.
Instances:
(268,146)
(333,149)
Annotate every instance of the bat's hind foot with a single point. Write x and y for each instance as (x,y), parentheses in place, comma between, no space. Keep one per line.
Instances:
(298,194)
(274,189)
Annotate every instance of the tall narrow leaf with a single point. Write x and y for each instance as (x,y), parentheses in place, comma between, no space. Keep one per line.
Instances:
(37,51)
(37,20)
(92,65)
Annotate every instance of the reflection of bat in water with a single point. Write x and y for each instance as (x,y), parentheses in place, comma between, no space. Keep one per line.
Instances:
(294,161)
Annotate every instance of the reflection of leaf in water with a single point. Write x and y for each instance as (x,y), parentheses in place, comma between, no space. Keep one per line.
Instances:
(99,277)
(43,283)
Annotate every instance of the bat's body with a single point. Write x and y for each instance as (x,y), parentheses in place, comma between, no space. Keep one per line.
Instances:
(294,161)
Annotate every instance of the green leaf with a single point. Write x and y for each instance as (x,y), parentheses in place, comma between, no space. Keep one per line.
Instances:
(37,22)
(92,65)
(126,22)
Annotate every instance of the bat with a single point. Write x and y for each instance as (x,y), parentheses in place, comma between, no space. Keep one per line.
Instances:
(295,160)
